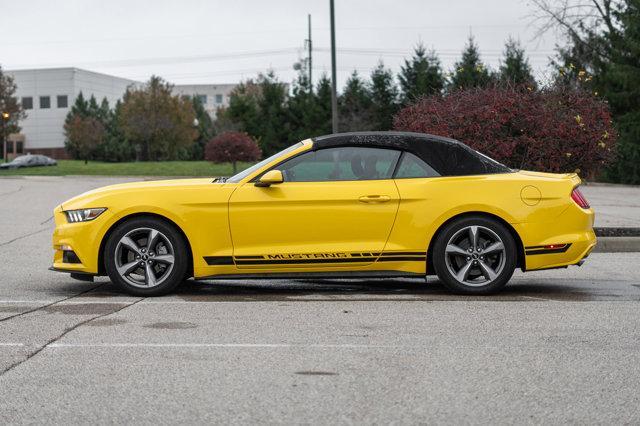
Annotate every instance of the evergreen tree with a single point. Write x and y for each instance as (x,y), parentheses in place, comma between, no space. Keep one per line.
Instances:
(259,109)
(302,109)
(309,111)
(80,107)
(86,128)
(115,147)
(94,108)
(242,114)
(354,106)
(420,76)
(470,71)
(384,97)
(323,101)
(205,130)
(515,68)
(273,114)
(621,85)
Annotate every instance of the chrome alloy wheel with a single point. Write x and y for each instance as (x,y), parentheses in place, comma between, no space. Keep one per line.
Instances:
(475,256)
(144,257)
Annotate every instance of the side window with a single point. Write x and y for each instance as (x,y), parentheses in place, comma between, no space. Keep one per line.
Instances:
(413,167)
(345,163)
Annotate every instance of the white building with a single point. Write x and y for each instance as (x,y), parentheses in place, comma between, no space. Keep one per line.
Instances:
(212,96)
(47,95)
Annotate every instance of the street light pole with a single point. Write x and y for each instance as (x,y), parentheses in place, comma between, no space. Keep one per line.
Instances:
(310,48)
(334,84)
(5,122)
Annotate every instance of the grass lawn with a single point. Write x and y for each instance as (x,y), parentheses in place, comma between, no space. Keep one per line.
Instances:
(147,168)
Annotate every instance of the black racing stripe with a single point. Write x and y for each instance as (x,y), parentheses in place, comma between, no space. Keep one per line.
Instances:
(218,260)
(547,251)
(403,259)
(300,261)
(542,247)
(361,257)
(404,253)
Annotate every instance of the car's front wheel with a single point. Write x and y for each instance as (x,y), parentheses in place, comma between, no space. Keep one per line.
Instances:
(475,255)
(146,256)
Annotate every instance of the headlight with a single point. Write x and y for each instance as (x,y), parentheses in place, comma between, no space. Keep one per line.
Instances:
(83,215)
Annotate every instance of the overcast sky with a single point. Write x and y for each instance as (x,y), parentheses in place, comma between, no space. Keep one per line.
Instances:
(192,41)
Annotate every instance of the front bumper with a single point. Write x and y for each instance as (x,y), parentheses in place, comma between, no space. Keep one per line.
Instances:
(77,245)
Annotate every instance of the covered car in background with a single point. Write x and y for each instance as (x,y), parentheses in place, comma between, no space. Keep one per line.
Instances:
(29,160)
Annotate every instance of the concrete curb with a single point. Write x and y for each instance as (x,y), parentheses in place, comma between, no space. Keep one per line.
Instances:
(617,245)
(614,185)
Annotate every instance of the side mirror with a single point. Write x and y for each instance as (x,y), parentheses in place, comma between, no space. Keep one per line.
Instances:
(272,177)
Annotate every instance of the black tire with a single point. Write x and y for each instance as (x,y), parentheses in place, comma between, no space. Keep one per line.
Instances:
(446,261)
(174,240)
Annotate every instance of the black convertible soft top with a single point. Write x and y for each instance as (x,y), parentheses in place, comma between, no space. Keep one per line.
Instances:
(448,157)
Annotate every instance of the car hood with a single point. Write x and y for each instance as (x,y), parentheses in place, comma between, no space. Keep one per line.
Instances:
(138,192)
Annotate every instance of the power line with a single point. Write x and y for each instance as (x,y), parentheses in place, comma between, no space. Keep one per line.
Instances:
(409,51)
(172,60)
(265,31)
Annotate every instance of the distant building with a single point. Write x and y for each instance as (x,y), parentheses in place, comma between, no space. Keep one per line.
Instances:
(47,95)
(212,96)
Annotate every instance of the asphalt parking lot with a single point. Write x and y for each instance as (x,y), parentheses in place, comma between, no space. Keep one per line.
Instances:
(554,347)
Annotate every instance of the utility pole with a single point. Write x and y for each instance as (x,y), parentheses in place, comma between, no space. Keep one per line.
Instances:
(309,46)
(334,84)
(5,125)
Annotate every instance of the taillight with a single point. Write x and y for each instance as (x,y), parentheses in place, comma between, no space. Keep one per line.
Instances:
(577,196)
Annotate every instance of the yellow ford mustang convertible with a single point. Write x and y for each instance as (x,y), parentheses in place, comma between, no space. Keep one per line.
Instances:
(374,204)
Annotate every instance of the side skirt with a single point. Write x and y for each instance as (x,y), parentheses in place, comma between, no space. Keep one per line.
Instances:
(304,275)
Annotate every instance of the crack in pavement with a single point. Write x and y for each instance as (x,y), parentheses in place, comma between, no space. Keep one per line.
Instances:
(50,304)
(64,333)
(23,236)
(11,192)
(46,221)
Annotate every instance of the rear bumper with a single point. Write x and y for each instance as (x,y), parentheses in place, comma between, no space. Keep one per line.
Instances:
(567,240)
(576,251)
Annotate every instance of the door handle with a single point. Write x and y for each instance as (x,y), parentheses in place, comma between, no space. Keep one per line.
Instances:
(372,199)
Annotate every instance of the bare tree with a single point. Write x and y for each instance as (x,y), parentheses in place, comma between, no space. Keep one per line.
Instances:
(573,17)
(581,21)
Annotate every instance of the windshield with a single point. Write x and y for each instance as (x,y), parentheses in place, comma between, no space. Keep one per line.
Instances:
(243,174)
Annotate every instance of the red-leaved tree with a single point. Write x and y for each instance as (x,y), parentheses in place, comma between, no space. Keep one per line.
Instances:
(231,147)
(553,129)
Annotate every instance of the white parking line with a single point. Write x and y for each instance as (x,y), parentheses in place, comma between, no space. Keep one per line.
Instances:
(11,344)
(221,345)
(71,302)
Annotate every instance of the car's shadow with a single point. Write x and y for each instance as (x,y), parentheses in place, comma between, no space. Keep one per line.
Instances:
(355,290)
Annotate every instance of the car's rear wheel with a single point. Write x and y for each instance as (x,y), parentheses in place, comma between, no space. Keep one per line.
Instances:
(475,255)
(146,256)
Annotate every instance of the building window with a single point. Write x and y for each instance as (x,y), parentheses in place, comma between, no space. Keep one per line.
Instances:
(45,102)
(63,101)
(218,99)
(27,102)
(202,99)
(19,147)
